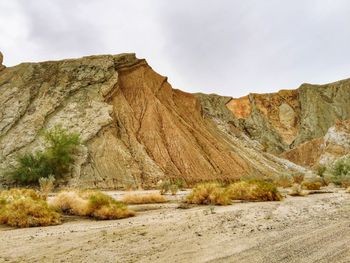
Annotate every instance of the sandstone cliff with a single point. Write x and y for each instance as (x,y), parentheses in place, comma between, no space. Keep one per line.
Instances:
(136,129)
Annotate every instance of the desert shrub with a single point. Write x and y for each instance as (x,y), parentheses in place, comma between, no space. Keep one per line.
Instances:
(298,178)
(70,202)
(283,180)
(174,189)
(46,185)
(209,194)
(91,203)
(256,190)
(144,199)
(341,172)
(320,170)
(55,160)
(313,185)
(180,183)
(26,208)
(297,190)
(164,186)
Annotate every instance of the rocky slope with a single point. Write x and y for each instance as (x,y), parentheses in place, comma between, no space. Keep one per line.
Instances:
(281,121)
(135,128)
(324,150)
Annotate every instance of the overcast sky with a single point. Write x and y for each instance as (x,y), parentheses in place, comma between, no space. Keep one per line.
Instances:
(228,47)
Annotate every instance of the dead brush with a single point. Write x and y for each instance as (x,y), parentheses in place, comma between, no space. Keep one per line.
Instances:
(312,185)
(297,190)
(209,194)
(283,180)
(254,191)
(46,185)
(298,178)
(91,203)
(26,208)
(144,198)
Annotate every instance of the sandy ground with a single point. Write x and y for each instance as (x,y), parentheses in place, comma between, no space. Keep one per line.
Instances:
(315,228)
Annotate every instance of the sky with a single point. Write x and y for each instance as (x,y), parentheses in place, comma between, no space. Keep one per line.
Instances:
(227,47)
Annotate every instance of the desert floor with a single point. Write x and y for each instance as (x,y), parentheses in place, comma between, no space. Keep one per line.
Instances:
(315,228)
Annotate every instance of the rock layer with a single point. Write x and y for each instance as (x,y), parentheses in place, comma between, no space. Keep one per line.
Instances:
(324,150)
(283,120)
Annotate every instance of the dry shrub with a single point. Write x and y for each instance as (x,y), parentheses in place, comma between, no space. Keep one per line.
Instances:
(163,186)
(297,190)
(102,206)
(298,178)
(91,203)
(174,188)
(26,208)
(46,185)
(283,180)
(254,191)
(209,194)
(70,202)
(144,198)
(312,185)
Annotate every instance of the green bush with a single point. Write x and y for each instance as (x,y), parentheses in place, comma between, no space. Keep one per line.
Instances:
(341,172)
(55,160)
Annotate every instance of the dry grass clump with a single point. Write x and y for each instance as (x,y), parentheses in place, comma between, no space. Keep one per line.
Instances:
(144,198)
(298,178)
(209,194)
(70,202)
(283,180)
(91,203)
(254,191)
(297,190)
(26,208)
(348,190)
(46,185)
(312,185)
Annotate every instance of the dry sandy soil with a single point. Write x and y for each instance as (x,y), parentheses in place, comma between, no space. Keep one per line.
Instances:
(315,228)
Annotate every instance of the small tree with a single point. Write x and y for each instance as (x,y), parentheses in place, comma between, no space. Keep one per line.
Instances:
(341,172)
(55,160)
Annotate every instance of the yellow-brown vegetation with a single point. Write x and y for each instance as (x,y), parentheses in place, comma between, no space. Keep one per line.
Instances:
(91,203)
(209,194)
(26,208)
(254,191)
(144,198)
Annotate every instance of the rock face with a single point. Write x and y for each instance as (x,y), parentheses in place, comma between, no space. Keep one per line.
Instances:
(283,120)
(136,129)
(324,150)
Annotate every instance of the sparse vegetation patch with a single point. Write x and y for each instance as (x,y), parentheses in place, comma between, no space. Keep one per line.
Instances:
(55,160)
(26,208)
(91,203)
(255,190)
(144,198)
(209,194)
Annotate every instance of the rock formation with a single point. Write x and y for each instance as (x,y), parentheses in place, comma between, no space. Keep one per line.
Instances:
(283,120)
(135,127)
(324,150)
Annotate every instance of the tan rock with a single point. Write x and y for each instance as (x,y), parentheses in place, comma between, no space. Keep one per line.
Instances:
(135,128)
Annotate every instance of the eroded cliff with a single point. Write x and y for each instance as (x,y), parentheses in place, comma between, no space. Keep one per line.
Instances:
(283,120)
(135,127)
